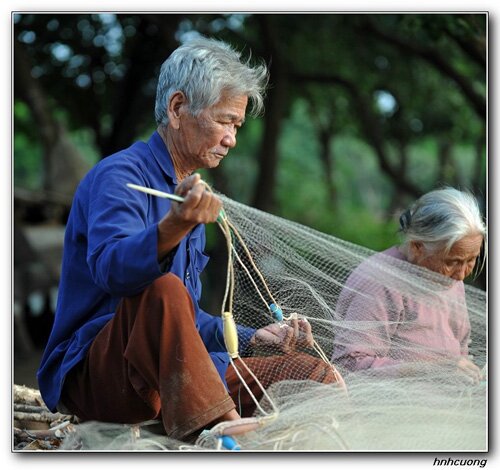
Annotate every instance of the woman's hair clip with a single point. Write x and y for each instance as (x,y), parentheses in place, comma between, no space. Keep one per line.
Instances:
(405,220)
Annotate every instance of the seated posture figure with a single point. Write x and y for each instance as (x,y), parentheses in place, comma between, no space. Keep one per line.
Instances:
(394,316)
(130,342)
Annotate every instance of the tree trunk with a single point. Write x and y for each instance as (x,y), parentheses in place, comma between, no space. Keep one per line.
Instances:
(445,170)
(30,91)
(325,140)
(63,165)
(374,136)
(398,200)
(131,111)
(263,197)
(370,127)
(478,181)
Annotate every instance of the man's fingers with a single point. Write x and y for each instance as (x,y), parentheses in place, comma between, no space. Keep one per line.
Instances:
(194,196)
(184,187)
(200,206)
(294,323)
(288,338)
(302,332)
(296,332)
(208,207)
(306,333)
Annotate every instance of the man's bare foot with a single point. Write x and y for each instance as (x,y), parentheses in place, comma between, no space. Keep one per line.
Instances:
(240,425)
(229,416)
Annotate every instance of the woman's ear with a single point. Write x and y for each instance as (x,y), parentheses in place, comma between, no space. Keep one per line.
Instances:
(174,108)
(416,250)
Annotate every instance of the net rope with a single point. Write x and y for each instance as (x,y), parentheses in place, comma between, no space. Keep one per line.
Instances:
(420,401)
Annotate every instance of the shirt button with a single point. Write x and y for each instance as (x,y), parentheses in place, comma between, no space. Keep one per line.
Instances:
(187,275)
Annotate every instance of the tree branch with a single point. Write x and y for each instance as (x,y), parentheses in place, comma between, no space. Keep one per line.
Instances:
(369,125)
(477,101)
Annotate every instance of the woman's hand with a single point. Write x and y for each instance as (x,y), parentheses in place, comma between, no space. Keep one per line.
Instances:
(469,369)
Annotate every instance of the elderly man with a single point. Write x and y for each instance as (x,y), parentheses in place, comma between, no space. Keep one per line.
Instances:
(391,325)
(130,342)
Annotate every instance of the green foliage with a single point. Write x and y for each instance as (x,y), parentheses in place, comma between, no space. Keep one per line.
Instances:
(361,227)
(299,195)
(28,157)
(378,86)
(357,216)
(28,167)
(28,150)
(85,142)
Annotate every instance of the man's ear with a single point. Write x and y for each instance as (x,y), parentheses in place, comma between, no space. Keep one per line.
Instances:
(176,102)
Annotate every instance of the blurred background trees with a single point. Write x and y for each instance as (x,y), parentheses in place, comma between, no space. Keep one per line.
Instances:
(365,113)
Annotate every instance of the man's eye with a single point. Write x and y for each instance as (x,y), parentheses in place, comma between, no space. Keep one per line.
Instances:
(231,125)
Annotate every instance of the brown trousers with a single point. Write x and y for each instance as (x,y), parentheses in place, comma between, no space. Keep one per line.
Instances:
(149,362)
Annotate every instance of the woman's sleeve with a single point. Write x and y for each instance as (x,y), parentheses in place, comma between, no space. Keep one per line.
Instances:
(370,315)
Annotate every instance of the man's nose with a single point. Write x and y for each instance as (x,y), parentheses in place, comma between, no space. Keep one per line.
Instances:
(229,139)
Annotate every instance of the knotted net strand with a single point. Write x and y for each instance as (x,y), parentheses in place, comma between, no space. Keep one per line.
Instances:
(433,406)
(421,402)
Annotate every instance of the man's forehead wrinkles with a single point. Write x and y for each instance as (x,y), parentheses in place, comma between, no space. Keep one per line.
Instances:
(231,117)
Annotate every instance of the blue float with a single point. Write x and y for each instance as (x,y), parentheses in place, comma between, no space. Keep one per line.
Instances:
(229,443)
(276,311)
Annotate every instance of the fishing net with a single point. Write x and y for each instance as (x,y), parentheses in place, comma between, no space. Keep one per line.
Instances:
(418,400)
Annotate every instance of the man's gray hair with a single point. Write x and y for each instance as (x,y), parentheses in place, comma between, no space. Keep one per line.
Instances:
(202,69)
(440,218)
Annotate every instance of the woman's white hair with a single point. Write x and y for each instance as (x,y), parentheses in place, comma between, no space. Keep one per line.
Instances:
(202,69)
(440,218)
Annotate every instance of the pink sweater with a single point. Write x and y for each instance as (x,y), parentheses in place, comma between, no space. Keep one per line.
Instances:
(381,326)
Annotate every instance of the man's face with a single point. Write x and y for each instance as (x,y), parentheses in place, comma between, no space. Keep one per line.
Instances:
(204,140)
(457,264)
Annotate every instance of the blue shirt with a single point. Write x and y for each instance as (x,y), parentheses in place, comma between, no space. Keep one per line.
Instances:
(110,252)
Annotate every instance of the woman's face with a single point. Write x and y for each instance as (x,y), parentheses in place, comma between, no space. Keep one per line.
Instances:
(457,264)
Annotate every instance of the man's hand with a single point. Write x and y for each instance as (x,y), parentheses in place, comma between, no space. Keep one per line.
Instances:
(199,207)
(286,337)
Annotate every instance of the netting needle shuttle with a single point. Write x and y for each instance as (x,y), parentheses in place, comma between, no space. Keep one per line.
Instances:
(155,192)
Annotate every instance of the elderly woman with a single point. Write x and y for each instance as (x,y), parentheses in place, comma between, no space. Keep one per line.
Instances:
(396,317)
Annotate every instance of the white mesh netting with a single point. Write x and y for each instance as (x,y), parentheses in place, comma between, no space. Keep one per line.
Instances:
(417,400)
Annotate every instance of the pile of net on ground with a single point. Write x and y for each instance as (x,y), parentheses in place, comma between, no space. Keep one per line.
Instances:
(432,407)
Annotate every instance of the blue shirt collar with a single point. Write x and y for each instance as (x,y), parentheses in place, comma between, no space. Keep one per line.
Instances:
(162,155)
